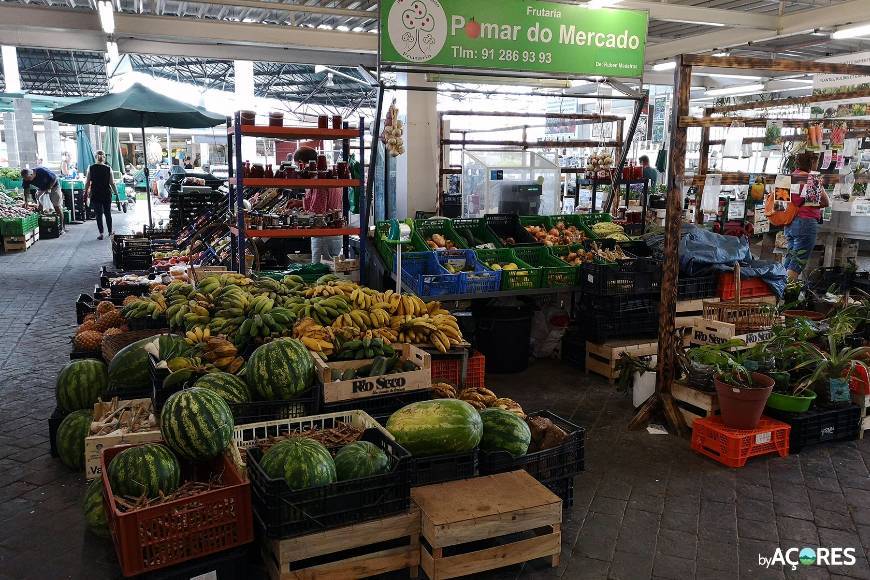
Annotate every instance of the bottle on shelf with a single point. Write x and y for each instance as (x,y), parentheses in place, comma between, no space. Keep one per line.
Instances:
(246,169)
(269,174)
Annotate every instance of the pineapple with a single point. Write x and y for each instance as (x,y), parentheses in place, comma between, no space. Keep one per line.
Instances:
(104,307)
(88,324)
(112,319)
(88,340)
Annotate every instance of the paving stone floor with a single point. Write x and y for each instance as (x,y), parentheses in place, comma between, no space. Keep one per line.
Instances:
(645,507)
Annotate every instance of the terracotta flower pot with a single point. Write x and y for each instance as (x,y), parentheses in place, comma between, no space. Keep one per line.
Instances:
(742,407)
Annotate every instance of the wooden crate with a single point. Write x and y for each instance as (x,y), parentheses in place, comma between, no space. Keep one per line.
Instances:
(20,243)
(337,391)
(862,401)
(601,358)
(694,404)
(458,514)
(371,542)
(688,310)
(94,444)
(715,332)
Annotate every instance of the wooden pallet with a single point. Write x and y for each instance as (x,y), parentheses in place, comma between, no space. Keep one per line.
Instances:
(688,310)
(862,401)
(20,243)
(458,515)
(694,404)
(601,358)
(371,542)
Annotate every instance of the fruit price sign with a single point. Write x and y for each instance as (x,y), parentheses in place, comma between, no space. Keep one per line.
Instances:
(513,35)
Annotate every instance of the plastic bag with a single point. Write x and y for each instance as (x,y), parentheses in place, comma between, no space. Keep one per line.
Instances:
(548,328)
(733,141)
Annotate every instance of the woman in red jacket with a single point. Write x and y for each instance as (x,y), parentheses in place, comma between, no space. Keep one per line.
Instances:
(801,232)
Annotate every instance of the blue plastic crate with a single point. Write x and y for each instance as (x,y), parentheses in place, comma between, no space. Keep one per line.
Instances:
(479,280)
(422,273)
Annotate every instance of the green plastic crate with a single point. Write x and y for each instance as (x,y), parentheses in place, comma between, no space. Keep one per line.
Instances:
(11,183)
(476,233)
(554,272)
(525,277)
(577,220)
(388,251)
(19,226)
(439,225)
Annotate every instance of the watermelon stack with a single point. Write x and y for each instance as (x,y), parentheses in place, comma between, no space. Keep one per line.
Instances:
(504,431)
(95,510)
(146,470)
(280,370)
(71,435)
(196,423)
(80,384)
(436,427)
(301,462)
(360,459)
(228,387)
(129,369)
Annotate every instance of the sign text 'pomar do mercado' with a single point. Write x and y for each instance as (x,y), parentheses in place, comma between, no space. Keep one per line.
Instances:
(513,35)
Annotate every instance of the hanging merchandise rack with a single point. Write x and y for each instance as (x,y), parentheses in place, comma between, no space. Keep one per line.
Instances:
(241,231)
(677,181)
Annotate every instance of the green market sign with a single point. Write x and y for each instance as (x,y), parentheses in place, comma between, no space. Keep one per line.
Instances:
(513,35)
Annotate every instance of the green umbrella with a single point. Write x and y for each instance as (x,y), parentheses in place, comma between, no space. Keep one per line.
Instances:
(138,106)
(112,147)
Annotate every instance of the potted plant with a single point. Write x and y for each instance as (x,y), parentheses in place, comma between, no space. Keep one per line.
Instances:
(701,362)
(832,370)
(742,394)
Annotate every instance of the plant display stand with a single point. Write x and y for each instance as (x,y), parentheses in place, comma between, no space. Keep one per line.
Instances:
(863,401)
(601,358)
(694,404)
(458,514)
(370,543)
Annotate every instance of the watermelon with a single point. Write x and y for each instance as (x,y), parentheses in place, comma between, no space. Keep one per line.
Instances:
(196,423)
(360,459)
(301,462)
(228,387)
(280,370)
(149,469)
(71,435)
(129,368)
(436,427)
(504,431)
(80,384)
(95,509)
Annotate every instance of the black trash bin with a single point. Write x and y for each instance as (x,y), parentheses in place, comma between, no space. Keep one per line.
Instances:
(502,335)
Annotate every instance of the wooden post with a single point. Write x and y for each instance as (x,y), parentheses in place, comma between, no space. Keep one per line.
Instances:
(671,266)
(703,165)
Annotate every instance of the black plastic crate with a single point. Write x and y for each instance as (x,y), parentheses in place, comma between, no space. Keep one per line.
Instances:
(508,225)
(84,305)
(308,403)
(379,407)
(836,278)
(53,423)
(441,468)
(566,460)
(158,375)
(694,287)
(49,228)
(284,513)
(639,276)
(146,323)
(229,565)
(564,488)
(637,318)
(820,425)
(574,348)
(81,354)
(158,233)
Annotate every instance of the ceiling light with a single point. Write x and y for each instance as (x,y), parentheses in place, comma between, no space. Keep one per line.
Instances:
(358,29)
(669,65)
(342,28)
(112,51)
(698,22)
(107,16)
(602,3)
(852,32)
(734,90)
(319,68)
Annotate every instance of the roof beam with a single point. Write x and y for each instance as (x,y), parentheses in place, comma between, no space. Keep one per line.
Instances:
(320,10)
(701,15)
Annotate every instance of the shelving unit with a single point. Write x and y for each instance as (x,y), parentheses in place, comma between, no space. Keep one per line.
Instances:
(237,182)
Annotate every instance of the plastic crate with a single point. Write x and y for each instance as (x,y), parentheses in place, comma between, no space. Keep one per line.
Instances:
(446,370)
(476,233)
(146,323)
(423,274)
(475,373)
(525,277)
(554,272)
(439,225)
(694,287)
(83,354)
(481,279)
(379,407)
(441,468)
(556,463)
(639,276)
(84,305)
(594,217)
(308,403)
(53,423)
(388,251)
(749,287)
(571,219)
(49,227)
(821,279)
(820,425)
(282,512)
(507,225)
(564,488)
(227,565)
(19,226)
(574,348)
(185,529)
(607,317)
(732,447)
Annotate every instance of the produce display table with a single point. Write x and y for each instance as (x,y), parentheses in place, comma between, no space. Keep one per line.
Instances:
(460,513)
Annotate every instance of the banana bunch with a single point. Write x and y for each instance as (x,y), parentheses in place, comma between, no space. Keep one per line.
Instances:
(231,297)
(330,289)
(222,354)
(447,332)
(267,324)
(387,334)
(364,298)
(197,335)
(316,337)
(404,304)
(293,282)
(270,287)
(177,288)
(368,347)
(212,283)
(152,305)
(323,310)
(441,330)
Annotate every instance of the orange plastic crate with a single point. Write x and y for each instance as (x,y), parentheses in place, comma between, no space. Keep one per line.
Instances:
(859,382)
(446,370)
(732,447)
(475,374)
(749,287)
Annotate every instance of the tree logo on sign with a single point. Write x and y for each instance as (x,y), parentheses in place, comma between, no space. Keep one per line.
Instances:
(417,28)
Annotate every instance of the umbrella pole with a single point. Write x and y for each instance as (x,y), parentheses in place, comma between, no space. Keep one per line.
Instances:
(147,181)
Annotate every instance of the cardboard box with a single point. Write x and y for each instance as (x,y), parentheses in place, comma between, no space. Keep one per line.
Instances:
(715,332)
(94,444)
(336,391)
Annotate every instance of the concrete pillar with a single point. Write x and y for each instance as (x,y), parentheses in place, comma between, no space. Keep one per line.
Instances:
(10,69)
(244,77)
(417,168)
(11,139)
(24,133)
(53,147)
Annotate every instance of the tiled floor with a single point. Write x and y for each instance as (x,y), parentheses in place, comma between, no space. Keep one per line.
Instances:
(646,506)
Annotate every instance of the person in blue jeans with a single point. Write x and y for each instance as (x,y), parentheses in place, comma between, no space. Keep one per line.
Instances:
(801,232)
